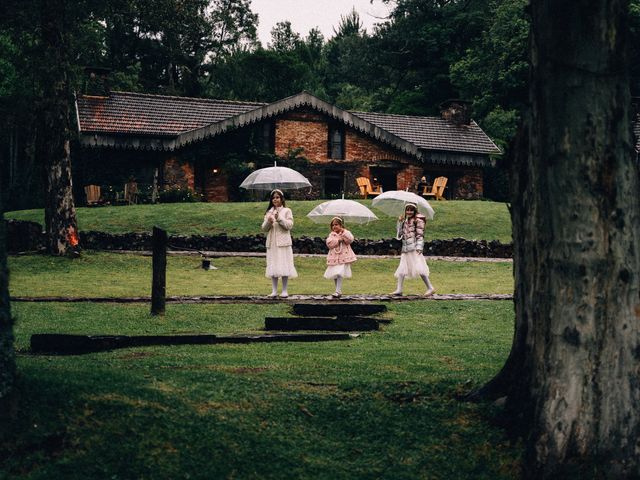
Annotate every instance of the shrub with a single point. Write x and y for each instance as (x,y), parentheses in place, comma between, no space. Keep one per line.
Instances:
(179,195)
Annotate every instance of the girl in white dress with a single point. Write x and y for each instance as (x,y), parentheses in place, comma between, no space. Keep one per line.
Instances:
(410,229)
(278,222)
(340,256)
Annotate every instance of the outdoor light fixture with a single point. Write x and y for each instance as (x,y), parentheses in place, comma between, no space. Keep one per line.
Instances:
(215,170)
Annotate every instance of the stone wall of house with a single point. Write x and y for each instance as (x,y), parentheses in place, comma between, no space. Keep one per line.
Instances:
(310,131)
(177,174)
(29,236)
(409,178)
(470,186)
(361,147)
(305,130)
(216,187)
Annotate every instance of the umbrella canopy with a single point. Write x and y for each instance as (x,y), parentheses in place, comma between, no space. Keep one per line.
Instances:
(393,202)
(275,177)
(348,210)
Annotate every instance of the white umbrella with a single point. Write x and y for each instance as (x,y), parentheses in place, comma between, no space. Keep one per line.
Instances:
(394,201)
(349,210)
(269,178)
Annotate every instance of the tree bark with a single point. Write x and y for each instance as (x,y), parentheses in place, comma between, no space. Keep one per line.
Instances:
(55,132)
(573,374)
(7,358)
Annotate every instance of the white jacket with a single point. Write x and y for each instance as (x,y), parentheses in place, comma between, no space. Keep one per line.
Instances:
(281,228)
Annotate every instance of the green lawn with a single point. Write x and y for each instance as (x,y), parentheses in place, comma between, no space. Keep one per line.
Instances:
(480,220)
(384,405)
(380,406)
(116,275)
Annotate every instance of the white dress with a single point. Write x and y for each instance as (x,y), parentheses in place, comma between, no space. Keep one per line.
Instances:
(412,265)
(341,270)
(279,259)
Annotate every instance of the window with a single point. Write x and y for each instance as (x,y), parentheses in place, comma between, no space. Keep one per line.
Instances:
(333,183)
(268,137)
(336,143)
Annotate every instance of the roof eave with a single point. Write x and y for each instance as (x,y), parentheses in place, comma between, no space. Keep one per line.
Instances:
(127,141)
(290,103)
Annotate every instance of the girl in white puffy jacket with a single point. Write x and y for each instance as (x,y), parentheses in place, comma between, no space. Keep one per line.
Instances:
(410,229)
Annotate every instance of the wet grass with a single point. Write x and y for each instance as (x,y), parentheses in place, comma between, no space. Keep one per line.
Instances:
(116,275)
(380,406)
(479,220)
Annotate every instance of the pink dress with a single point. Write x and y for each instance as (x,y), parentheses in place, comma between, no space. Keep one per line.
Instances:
(340,256)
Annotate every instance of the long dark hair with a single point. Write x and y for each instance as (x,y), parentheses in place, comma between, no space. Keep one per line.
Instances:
(273,192)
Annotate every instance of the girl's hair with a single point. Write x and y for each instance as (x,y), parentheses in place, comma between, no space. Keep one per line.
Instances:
(273,192)
(411,206)
(336,219)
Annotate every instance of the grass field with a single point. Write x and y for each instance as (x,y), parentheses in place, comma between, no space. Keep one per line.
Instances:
(116,275)
(479,220)
(385,405)
(380,406)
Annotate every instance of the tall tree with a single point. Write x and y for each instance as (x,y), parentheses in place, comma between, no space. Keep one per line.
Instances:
(572,376)
(283,38)
(7,358)
(54,142)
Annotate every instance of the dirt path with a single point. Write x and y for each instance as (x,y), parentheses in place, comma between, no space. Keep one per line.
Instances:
(261,299)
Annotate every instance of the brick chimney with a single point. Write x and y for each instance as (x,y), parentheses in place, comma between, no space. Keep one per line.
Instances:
(96,81)
(456,111)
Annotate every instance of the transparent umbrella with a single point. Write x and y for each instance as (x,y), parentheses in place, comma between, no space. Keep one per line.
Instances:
(393,202)
(270,178)
(349,210)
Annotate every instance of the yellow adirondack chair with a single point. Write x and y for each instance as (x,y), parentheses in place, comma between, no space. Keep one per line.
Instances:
(364,184)
(93,194)
(437,189)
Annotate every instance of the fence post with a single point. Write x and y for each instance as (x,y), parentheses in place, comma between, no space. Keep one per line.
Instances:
(159,281)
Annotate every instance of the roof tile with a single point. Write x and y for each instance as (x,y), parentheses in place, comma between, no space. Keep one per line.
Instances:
(433,133)
(157,115)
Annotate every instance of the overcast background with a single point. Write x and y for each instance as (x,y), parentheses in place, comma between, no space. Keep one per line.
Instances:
(307,14)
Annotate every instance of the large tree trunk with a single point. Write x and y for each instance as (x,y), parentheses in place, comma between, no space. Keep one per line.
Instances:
(576,218)
(7,359)
(54,135)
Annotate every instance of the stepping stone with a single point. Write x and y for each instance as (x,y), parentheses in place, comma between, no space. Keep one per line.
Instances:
(337,309)
(50,343)
(341,324)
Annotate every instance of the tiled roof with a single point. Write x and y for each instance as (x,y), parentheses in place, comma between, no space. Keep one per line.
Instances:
(157,115)
(636,131)
(171,122)
(433,133)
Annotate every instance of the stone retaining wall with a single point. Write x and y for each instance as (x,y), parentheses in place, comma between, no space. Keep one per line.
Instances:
(27,236)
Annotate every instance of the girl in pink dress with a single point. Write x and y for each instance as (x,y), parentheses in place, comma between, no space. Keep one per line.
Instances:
(340,256)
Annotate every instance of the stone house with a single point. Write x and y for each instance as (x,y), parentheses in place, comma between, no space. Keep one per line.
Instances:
(180,142)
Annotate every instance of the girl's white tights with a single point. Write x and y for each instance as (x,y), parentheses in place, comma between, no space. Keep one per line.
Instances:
(338,282)
(398,290)
(425,279)
(427,282)
(274,286)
